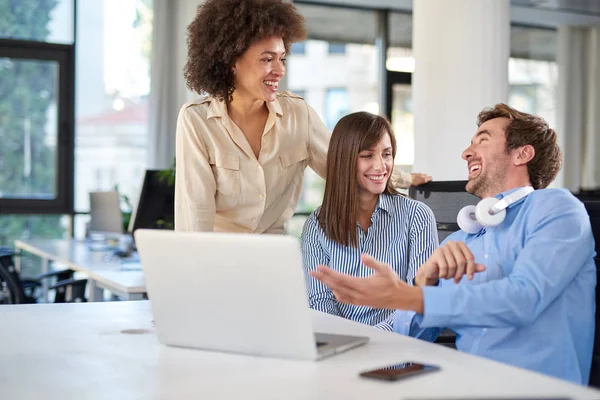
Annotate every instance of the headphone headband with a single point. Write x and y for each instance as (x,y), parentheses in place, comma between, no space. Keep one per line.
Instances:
(489,211)
(506,201)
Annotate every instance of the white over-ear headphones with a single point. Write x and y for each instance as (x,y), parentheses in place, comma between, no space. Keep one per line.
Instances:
(488,212)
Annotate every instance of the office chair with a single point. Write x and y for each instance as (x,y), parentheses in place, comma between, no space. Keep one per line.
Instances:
(14,290)
(445,198)
(593,209)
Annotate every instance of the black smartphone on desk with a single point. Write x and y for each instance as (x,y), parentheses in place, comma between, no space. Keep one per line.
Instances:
(399,371)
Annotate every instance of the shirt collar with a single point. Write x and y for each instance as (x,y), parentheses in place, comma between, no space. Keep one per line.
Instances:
(275,107)
(218,109)
(384,203)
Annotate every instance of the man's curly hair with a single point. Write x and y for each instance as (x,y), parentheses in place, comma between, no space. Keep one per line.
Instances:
(222,32)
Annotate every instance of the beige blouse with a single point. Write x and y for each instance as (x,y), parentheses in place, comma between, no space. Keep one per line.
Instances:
(220,185)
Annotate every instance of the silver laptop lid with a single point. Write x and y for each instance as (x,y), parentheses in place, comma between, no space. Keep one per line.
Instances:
(241,293)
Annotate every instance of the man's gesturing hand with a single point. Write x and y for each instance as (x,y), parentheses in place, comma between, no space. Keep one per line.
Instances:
(451,261)
(383,289)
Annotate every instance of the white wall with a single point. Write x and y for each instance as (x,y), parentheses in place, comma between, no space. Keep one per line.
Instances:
(185,12)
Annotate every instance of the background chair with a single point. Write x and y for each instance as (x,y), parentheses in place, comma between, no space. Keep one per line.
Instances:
(593,209)
(14,290)
(445,200)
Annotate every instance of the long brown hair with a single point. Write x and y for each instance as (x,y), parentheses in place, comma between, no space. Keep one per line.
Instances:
(352,134)
(526,129)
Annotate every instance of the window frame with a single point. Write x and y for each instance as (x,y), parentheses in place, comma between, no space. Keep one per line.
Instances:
(64,55)
(393,78)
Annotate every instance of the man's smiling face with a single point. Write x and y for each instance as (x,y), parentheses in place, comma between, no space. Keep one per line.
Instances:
(488,161)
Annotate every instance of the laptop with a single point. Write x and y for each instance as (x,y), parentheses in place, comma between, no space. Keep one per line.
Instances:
(237,293)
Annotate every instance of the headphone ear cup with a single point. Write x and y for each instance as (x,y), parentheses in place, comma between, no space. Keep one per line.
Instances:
(467,220)
(482,212)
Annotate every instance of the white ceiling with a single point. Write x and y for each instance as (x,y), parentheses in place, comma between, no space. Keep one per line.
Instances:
(544,13)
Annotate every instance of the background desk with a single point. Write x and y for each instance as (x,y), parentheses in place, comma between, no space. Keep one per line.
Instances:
(110,351)
(102,273)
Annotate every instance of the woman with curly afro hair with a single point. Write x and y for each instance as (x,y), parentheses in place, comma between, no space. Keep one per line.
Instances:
(242,147)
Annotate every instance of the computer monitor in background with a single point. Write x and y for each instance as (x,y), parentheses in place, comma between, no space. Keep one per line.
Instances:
(156,205)
(106,216)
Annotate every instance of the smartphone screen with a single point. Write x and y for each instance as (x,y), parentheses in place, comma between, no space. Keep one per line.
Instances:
(399,371)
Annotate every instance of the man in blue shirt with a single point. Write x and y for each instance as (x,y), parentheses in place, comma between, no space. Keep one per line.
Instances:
(521,292)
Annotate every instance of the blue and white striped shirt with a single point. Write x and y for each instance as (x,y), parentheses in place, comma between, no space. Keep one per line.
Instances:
(402,233)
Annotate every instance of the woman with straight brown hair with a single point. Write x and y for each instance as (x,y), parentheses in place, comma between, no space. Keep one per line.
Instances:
(363,213)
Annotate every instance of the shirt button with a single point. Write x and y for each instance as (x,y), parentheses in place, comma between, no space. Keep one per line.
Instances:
(261,196)
(484,330)
(253,219)
(259,167)
(486,256)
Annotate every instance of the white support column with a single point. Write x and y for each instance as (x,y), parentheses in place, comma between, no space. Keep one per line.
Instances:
(461,50)
(168,90)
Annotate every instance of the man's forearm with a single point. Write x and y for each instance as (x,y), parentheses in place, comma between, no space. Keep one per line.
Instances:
(410,298)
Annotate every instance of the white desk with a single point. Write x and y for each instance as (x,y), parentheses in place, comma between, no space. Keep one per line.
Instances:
(102,273)
(75,351)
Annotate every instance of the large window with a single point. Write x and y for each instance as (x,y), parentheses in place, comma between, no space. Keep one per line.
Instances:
(532,69)
(336,48)
(113,46)
(36,117)
(32,226)
(337,104)
(403,123)
(54,151)
(341,47)
(49,21)
(32,80)
(533,73)
(336,82)
(298,48)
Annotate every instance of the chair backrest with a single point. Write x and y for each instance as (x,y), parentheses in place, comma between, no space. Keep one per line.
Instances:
(11,291)
(445,198)
(593,209)
(105,212)
(595,371)
(14,290)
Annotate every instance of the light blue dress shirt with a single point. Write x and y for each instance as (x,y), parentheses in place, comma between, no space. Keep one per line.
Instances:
(534,305)
(402,233)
